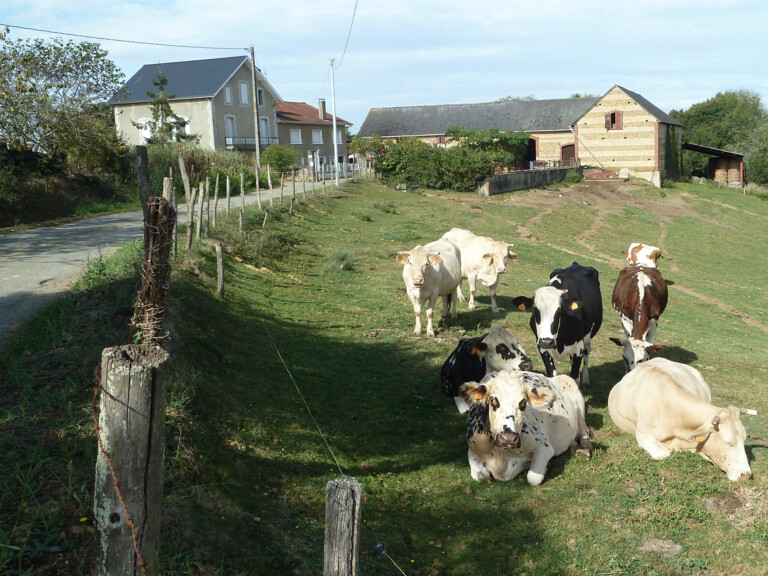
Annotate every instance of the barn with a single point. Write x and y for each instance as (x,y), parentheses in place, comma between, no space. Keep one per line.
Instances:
(619,132)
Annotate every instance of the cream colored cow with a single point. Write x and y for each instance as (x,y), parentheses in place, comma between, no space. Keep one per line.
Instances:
(667,406)
(483,259)
(429,272)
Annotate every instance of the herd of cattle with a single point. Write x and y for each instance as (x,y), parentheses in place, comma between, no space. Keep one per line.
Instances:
(519,419)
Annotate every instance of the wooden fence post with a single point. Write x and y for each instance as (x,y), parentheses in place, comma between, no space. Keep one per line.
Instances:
(282,180)
(208,206)
(216,200)
(258,186)
(343,511)
(129,466)
(228,196)
(219,269)
(199,224)
(293,182)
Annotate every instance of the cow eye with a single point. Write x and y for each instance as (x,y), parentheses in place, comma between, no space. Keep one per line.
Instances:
(495,403)
(523,404)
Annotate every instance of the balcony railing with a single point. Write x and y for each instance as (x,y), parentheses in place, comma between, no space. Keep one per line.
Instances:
(246,143)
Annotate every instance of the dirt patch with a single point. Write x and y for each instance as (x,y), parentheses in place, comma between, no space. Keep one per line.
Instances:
(745,507)
(666,548)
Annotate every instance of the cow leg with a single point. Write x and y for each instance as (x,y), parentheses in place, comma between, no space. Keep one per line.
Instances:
(494,307)
(472,281)
(478,467)
(459,293)
(538,468)
(575,366)
(627,324)
(648,443)
(417,314)
(651,332)
(430,316)
(549,362)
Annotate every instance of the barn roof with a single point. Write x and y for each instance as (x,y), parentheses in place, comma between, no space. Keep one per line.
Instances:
(507,116)
(188,80)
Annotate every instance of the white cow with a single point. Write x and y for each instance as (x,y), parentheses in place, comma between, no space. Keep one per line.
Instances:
(520,420)
(483,259)
(431,271)
(667,406)
(642,255)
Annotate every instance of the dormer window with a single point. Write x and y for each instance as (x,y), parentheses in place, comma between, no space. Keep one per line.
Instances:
(614,120)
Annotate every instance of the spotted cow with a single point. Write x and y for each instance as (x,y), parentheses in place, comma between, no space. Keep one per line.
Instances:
(639,297)
(429,272)
(567,313)
(668,406)
(474,357)
(521,420)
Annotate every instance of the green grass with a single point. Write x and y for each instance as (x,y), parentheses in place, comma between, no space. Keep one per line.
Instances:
(313,344)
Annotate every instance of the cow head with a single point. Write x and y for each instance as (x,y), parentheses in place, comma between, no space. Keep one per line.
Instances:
(498,257)
(548,304)
(635,351)
(415,263)
(506,397)
(642,255)
(721,441)
(504,352)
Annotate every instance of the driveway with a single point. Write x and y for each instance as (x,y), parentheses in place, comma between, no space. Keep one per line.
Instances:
(37,265)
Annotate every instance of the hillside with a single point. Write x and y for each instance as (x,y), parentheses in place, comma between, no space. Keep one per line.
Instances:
(308,369)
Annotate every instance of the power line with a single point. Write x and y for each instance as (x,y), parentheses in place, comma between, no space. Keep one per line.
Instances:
(121,40)
(348,35)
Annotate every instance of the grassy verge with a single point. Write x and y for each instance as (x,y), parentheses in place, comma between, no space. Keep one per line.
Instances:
(308,369)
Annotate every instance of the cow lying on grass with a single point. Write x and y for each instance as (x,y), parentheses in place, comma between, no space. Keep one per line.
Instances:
(474,357)
(429,272)
(483,259)
(521,420)
(667,406)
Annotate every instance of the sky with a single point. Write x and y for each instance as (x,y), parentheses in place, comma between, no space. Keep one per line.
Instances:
(392,53)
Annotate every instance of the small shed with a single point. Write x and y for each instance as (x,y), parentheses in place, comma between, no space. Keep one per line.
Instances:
(725,167)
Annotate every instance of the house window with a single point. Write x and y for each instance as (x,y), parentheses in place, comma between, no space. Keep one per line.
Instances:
(227,94)
(260,96)
(296,136)
(614,121)
(230,127)
(339,137)
(244,93)
(187,130)
(317,136)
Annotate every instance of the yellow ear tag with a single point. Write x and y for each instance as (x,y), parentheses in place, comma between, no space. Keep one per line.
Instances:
(699,439)
(478,396)
(574,305)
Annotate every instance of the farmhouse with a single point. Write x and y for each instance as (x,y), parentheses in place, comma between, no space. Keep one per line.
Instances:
(215,96)
(619,132)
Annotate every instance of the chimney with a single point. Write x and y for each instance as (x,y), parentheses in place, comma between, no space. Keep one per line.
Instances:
(321,108)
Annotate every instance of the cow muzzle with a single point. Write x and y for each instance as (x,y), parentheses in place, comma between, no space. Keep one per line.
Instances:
(546,343)
(507,440)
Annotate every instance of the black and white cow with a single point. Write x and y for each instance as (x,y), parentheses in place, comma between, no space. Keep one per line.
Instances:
(521,420)
(474,357)
(567,313)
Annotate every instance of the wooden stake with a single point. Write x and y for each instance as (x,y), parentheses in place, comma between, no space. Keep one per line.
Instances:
(343,511)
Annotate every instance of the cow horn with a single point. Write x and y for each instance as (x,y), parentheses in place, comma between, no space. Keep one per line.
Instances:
(747,411)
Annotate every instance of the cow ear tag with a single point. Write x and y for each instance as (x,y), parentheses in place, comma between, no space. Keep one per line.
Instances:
(574,305)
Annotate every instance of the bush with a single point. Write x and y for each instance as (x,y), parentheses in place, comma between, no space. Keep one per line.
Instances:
(281,158)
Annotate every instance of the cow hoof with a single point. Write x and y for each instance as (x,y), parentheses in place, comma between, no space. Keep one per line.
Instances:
(495,309)
(582,452)
(472,307)
(430,334)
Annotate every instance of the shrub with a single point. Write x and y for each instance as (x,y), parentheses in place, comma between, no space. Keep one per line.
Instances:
(281,158)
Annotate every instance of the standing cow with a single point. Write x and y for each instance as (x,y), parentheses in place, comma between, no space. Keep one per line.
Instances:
(668,406)
(429,272)
(567,313)
(639,297)
(483,259)
(642,255)
(474,357)
(520,420)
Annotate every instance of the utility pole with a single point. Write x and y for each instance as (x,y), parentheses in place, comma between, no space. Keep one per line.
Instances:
(255,108)
(335,136)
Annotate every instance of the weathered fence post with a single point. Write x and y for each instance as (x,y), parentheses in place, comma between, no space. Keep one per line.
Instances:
(207,206)
(170,195)
(293,182)
(242,192)
(131,431)
(228,196)
(304,183)
(199,224)
(343,512)
(323,179)
(282,180)
(216,200)
(258,186)
(219,269)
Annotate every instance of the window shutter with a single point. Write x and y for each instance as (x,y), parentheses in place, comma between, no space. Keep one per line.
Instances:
(608,121)
(619,121)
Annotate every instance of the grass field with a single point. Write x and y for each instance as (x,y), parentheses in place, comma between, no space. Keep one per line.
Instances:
(308,369)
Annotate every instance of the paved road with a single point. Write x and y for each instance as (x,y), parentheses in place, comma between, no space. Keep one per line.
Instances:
(37,265)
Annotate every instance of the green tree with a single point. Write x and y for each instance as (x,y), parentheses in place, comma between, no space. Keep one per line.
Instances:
(166,126)
(504,148)
(50,93)
(726,121)
(281,158)
(756,148)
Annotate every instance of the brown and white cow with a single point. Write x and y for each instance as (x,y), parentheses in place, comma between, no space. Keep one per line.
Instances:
(639,296)
(521,420)
(483,259)
(429,272)
(668,406)
(642,255)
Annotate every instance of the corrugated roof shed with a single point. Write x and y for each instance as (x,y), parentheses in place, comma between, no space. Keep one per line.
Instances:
(507,116)
(187,80)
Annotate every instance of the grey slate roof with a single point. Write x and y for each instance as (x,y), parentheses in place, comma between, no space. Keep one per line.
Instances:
(507,116)
(186,80)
